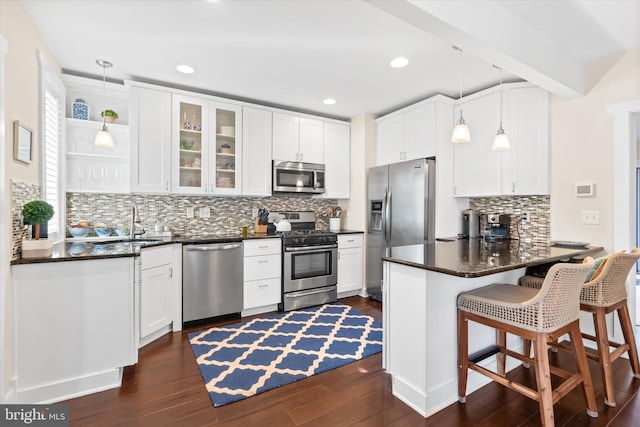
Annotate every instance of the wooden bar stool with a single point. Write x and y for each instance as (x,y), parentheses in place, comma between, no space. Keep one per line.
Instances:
(606,292)
(540,315)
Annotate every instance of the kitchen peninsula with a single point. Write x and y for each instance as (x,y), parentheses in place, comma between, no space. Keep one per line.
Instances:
(422,283)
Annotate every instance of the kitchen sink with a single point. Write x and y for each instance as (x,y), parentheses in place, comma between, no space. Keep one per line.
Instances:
(112,242)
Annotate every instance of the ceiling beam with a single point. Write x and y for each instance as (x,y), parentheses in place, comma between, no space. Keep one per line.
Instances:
(491,33)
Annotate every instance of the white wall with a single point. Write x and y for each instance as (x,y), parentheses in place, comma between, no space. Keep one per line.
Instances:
(21,99)
(363,156)
(582,150)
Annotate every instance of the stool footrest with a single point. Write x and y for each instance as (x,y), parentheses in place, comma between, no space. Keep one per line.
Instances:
(480,355)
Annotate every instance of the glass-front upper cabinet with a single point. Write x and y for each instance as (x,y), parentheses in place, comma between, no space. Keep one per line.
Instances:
(207,146)
(227,156)
(190,145)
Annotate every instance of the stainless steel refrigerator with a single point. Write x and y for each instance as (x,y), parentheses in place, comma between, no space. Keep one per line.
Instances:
(401,211)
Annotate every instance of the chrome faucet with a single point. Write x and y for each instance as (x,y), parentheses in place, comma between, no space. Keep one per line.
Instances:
(135,223)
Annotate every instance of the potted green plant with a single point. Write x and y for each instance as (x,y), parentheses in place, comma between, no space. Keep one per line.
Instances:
(36,213)
(110,116)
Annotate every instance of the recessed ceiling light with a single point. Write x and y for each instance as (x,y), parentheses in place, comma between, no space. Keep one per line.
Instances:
(329,101)
(399,62)
(186,69)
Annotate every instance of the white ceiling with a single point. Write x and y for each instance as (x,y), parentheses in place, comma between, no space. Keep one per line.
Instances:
(295,53)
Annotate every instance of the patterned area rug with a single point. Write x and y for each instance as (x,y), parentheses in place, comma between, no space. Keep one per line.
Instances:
(244,359)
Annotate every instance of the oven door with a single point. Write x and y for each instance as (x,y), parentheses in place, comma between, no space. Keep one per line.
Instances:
(310,267)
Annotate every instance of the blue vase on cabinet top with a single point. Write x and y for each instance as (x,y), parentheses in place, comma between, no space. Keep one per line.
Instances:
(80,110)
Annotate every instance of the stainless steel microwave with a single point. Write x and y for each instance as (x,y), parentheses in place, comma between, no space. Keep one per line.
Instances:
(298,177)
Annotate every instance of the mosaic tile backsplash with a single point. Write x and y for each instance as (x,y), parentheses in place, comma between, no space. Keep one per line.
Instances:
(537,230)
(21,193)
(226,213)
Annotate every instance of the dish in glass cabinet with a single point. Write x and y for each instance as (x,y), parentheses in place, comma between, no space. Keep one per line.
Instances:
(569,244)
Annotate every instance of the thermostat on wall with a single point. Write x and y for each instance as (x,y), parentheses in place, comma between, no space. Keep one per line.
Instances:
(585,189)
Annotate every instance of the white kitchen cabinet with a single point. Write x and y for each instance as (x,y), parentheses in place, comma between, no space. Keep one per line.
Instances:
(256,146)
(92,169)
(350,264)
(525,166)
(155,299)
(521,170)
(262,275)
(406,134)
(206,146)
(476,167)
(297,139)
(337,160)
(74,327)
(150,140)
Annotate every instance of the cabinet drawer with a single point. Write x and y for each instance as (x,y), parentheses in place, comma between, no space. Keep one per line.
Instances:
(350,241)
(262,247)
(258,293)
(262,267)
(153,257)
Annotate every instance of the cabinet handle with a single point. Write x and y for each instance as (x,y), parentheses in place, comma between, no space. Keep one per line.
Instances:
(170,271)
(401,155)
(513,187)
(263,286)
(455,190)
(166,185)
(405,155)
(263,247)
(350,241)
(301,156)
(263,262)
(338,255)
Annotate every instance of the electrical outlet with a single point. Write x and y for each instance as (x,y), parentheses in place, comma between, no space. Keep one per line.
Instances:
(205,212)
(254,212)
(524,217)
(591,217)
(190,213)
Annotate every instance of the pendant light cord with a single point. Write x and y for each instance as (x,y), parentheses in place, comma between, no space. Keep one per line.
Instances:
(104,93)
(500,97)
(460,78)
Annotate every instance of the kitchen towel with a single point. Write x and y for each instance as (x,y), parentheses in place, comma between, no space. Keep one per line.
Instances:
(241,360)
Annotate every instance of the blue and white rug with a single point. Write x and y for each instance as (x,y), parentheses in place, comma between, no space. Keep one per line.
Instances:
(244,359)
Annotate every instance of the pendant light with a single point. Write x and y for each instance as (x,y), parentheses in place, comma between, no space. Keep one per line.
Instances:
(103,137)
(461,130)
(501,140)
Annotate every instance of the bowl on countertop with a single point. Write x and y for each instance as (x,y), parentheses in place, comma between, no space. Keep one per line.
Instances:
(103,231)
(122,232)
(78,231)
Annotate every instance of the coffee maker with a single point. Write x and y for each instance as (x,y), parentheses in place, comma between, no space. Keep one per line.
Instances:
(495,226)
(469,224)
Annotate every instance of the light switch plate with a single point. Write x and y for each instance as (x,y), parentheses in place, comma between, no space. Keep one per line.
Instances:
(591,217)
(190,213)
(205,212)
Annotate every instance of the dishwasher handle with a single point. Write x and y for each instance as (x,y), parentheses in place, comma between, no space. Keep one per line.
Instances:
(210,248)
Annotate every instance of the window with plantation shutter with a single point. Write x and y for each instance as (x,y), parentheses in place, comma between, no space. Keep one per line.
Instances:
(52,102)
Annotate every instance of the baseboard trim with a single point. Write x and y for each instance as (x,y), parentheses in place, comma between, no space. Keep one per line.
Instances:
(72,388)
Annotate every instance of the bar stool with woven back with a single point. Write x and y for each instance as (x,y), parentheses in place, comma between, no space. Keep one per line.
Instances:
(540,315)
(603,293)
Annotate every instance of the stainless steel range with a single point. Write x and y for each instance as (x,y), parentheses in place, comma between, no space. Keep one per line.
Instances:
(309,262)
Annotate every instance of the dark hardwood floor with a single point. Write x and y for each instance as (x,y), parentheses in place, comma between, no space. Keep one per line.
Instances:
(165,388)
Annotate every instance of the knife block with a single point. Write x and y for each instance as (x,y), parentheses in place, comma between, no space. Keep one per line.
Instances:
(259,228)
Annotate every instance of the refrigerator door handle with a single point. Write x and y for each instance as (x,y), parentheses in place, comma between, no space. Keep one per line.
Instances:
(388,229)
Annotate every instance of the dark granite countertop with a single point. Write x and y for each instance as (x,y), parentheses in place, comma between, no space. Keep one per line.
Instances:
(76,249)
(112,248)
(475,258)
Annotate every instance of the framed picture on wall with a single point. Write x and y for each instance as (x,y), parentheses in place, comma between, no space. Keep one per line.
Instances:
(22,142)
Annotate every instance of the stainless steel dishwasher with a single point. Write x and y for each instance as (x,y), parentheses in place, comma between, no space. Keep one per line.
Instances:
(211,280)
